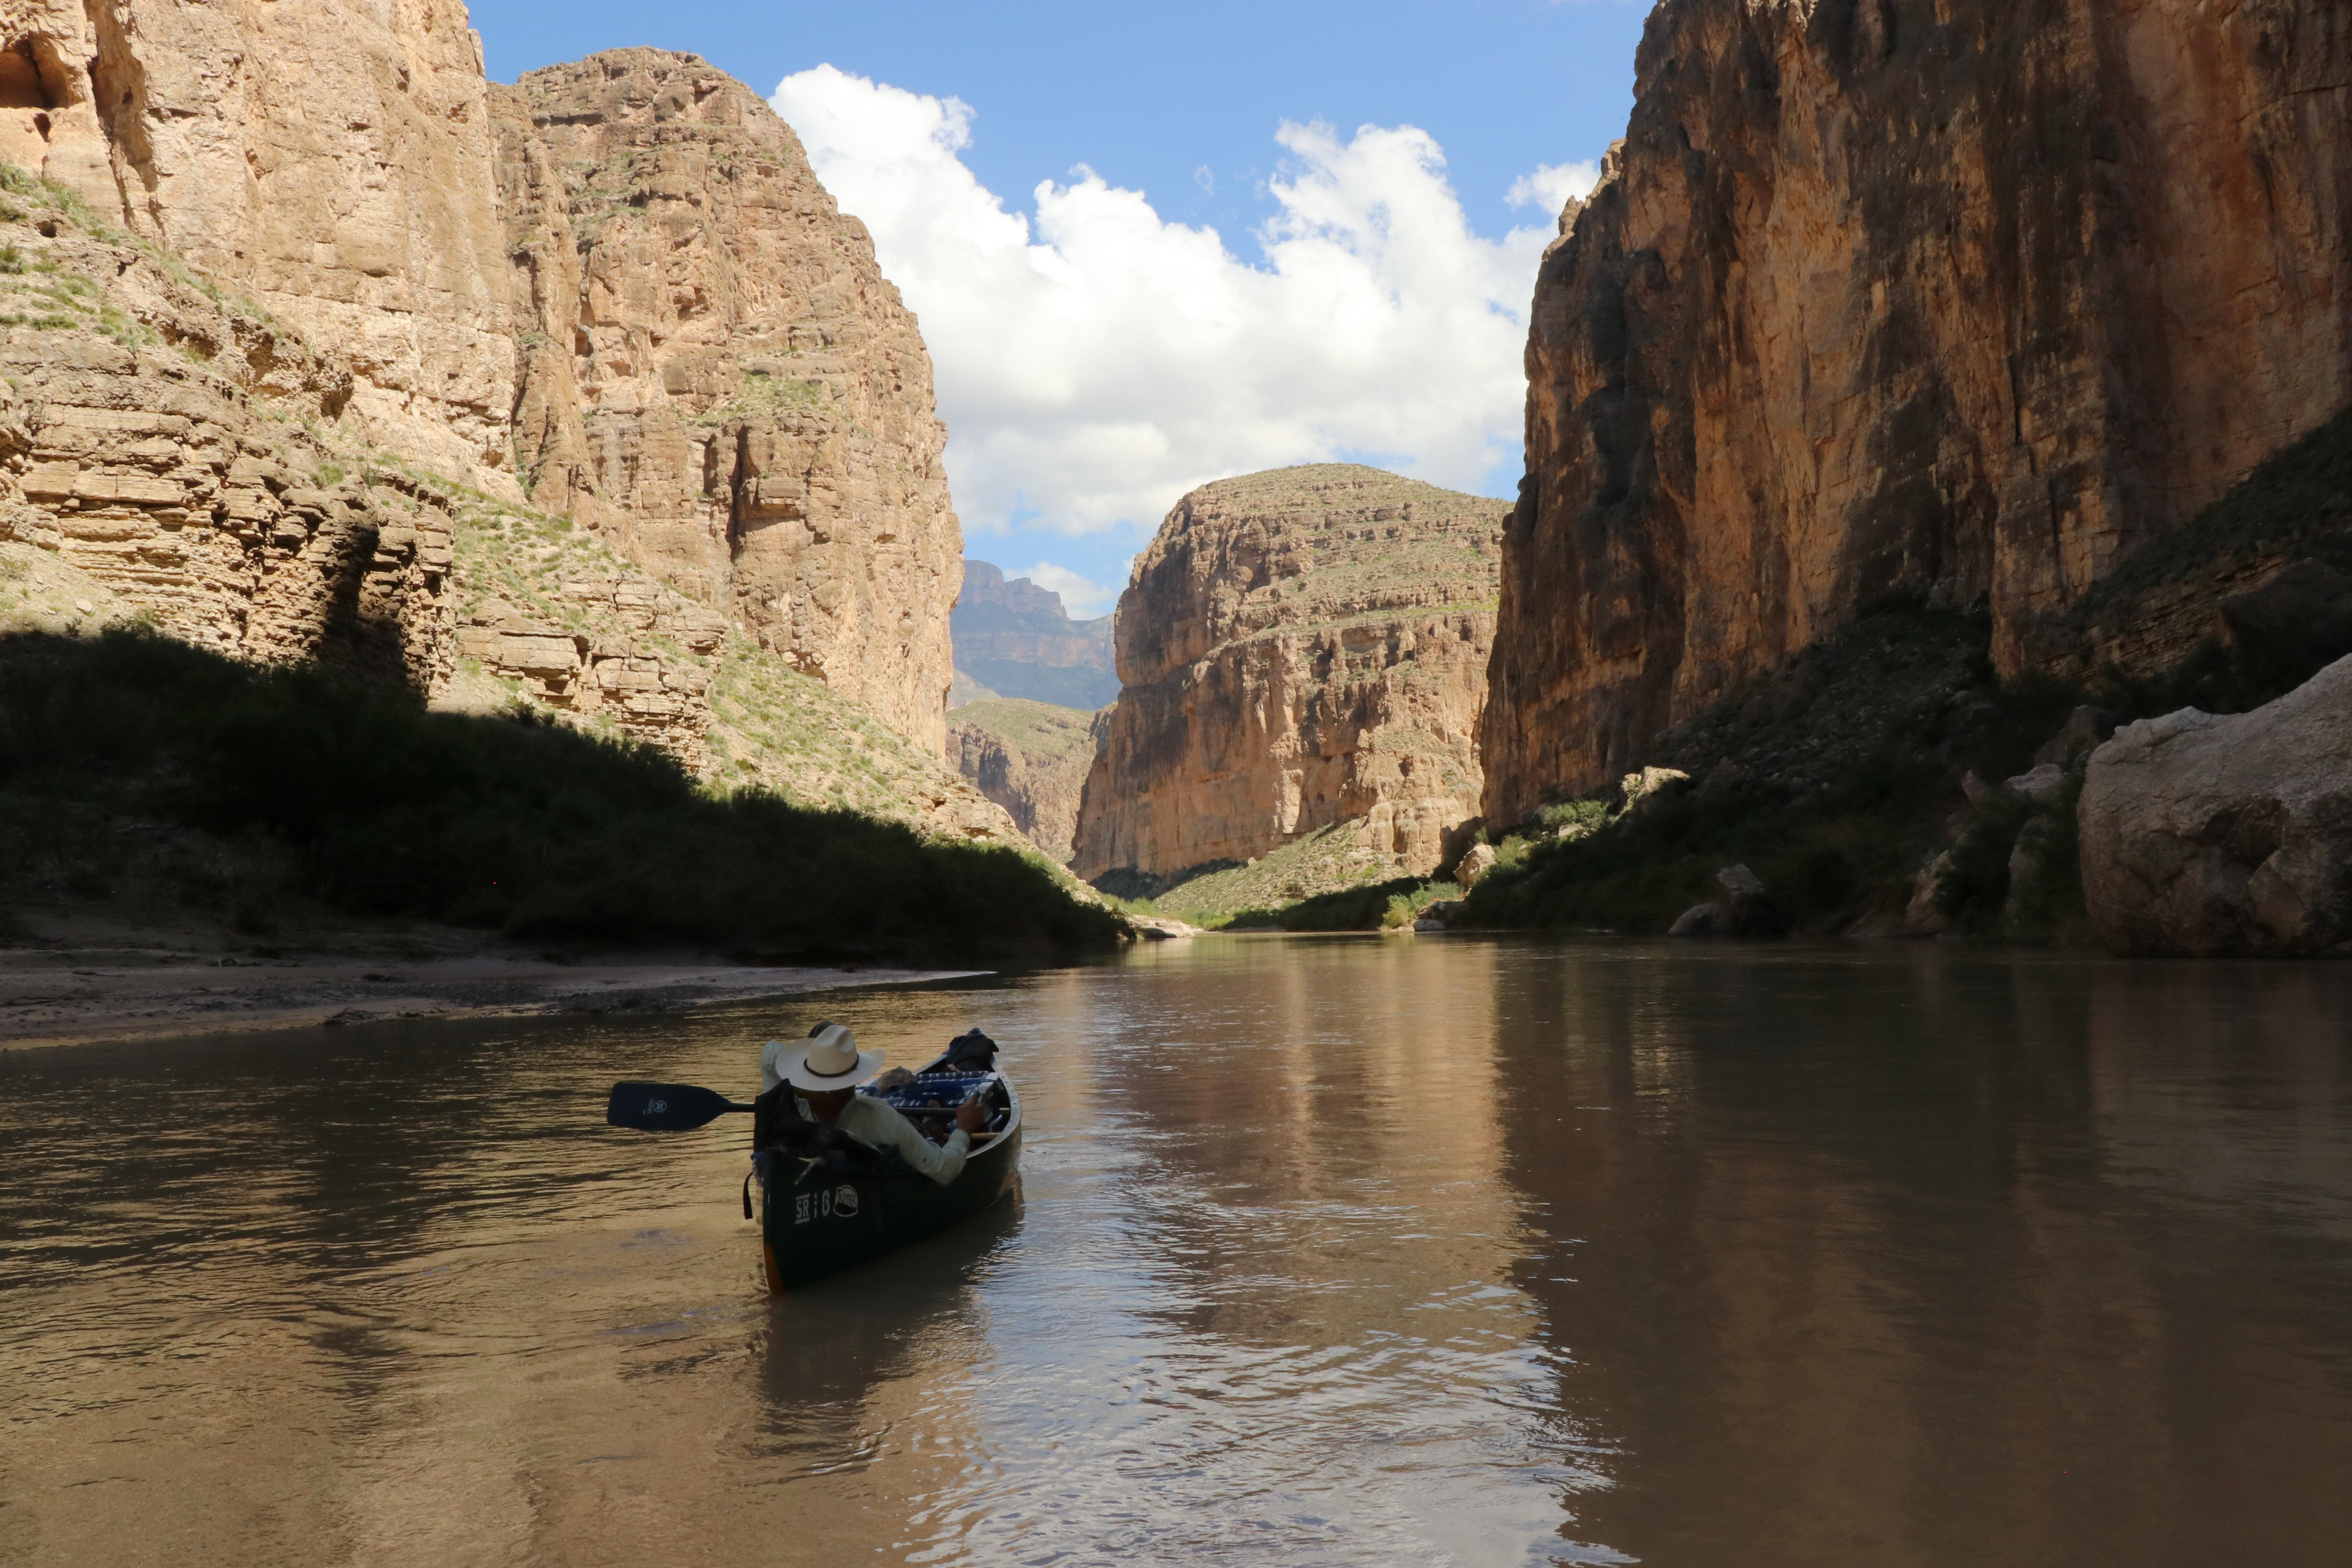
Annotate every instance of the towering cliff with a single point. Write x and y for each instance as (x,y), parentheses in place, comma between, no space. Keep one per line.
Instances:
(261,336)
(716,375)
(1298,649)
(1015,639)
(1953,299)
(331,165)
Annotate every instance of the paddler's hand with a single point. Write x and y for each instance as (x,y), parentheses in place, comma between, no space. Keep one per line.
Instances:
(971,1115)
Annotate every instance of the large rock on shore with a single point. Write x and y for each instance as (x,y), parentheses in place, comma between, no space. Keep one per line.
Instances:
(1297,649)
(1951,299)
(2206,834)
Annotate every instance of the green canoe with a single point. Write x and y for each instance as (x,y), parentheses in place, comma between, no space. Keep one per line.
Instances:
(827,1204)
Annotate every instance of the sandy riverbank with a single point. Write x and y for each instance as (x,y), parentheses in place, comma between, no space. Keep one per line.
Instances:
(91,981)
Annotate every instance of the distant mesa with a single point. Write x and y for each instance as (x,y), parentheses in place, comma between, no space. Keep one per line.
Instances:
(1302,649)
(1014,638)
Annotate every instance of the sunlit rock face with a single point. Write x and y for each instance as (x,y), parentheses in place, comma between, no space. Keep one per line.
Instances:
(1952,299)
(715,375)
(331,165)
(1296,648)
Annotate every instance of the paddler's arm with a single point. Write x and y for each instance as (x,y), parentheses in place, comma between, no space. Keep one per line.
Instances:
(880,1124)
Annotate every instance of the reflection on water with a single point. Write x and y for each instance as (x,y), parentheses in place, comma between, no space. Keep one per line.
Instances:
(1328,1252)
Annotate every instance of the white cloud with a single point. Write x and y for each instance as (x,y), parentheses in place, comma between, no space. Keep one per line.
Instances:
(1082,597)
(1093,366)
(1552,184)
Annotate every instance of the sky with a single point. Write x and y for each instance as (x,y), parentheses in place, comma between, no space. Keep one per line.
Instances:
(1153,246)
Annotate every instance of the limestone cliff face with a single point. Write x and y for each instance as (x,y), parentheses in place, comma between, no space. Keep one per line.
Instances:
(1961,298)
(186,482)
(717,376)
(1298,649)
(1031,758)
(333,163)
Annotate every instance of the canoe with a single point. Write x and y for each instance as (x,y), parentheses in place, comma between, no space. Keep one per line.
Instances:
(827,1202)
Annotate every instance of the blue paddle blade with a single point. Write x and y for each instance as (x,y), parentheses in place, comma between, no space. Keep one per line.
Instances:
(666,1106)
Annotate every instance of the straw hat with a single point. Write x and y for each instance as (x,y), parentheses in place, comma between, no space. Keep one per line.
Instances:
(827,1059)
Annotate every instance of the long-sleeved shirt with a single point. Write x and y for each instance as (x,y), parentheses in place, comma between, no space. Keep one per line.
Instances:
(878,1125)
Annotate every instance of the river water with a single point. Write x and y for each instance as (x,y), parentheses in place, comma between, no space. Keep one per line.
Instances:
(1343,1252)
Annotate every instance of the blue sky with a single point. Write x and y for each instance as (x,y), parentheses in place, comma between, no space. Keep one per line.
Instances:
(1255,167)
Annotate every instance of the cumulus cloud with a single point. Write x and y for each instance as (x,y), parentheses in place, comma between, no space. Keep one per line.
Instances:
(1552,186)
(1096,363)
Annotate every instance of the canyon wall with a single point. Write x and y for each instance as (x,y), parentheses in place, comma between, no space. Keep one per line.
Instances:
(184,482)
(1031,758)
(271,365)
(1956,299)
(715,375)
(331,165)
(1296,649)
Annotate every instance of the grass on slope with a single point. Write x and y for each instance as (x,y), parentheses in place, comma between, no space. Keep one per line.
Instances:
(372,804)
(1328,860)
(1046,732)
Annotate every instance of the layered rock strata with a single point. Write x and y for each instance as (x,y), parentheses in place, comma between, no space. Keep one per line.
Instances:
(1031,758)
(717,376)
(333,166)
(182,479)
(1297,649)
(2205,835)
(1952,299)
(1015,639)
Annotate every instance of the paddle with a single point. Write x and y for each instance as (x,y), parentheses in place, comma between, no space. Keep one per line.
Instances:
(666,1106)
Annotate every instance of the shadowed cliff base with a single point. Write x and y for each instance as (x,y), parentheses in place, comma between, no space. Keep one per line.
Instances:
(137,771)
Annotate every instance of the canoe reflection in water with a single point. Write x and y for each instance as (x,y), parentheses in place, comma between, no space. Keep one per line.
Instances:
(827,1349)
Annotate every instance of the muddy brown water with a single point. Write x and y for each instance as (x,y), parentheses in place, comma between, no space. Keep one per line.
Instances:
(1335,1251)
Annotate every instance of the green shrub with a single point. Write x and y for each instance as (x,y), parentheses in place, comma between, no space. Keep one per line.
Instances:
(523,826)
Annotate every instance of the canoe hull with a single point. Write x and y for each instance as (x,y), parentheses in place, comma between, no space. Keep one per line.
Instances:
(815,1226)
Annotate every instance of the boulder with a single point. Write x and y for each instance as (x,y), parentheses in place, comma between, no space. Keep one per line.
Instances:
(1476,862)
(1705,920)
(2045,785)
(2206,834)
(1649,783)
(1745,911)
(1922,915)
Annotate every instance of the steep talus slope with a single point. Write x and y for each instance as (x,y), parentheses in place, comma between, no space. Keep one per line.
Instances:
(1031,758)
(1298,649)
(1951,299)
(331,164)
(1016,640)
(717,376)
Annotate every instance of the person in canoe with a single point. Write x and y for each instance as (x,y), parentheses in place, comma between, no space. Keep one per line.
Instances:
(824,1071)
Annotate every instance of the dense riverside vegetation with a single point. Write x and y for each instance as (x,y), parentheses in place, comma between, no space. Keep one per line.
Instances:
(132,762)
